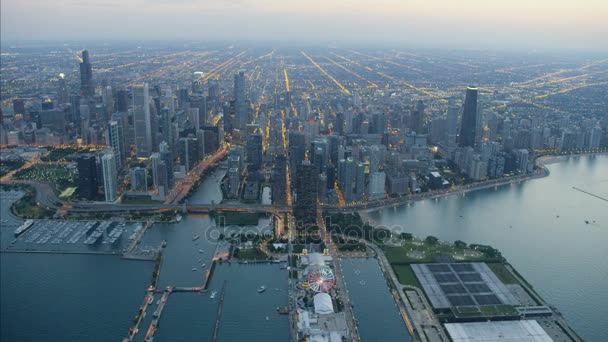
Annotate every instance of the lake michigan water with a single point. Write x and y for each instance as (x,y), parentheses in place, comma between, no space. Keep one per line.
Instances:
(56,297)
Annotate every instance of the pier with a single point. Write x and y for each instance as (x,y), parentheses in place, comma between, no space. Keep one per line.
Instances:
(156,316)
(218,316)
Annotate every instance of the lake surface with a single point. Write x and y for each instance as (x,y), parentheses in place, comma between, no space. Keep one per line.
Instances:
(540,228)
(375,309)
(59,297)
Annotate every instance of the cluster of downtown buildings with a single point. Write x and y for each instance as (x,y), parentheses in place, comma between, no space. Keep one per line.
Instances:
(369,147)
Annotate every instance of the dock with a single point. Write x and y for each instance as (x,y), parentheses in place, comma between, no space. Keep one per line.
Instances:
(218,316)
(156,316)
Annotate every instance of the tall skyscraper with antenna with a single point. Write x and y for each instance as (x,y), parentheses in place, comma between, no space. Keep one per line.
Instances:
(86,76)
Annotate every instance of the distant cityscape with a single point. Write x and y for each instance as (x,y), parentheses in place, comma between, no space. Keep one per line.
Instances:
(117,140)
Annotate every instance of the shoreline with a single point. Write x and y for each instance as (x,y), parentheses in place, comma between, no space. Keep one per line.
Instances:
(541,162)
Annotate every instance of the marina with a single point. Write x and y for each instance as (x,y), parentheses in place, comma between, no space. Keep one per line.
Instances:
(73,236)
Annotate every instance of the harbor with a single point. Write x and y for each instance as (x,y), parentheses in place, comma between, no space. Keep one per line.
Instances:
(195,280)
(111,237)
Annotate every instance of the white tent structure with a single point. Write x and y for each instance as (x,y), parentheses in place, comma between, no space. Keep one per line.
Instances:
(323,304)
(316,259)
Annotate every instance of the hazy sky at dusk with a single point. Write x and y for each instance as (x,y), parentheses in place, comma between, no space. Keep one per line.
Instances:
(463,23)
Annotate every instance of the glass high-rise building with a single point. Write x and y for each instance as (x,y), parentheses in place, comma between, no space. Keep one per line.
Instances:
(87,177)
(240,100)
(110,176)
(86,76)
(469,119)
(141,120)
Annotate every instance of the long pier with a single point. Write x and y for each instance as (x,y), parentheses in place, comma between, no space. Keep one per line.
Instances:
(218,316)
(156,316)
(590,194)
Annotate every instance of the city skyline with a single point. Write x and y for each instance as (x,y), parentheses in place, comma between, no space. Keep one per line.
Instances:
(254,172)
(536,26)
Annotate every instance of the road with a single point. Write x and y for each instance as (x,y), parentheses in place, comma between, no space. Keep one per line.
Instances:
(182,187)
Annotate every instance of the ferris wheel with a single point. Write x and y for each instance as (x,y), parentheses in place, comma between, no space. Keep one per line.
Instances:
(321,279)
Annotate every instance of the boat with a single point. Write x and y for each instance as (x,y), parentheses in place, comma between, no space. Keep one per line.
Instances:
(23,227)
(203,265)
(213,294)
(267,318)
(178,218)
(261,289)
(283,310)
(193,269)
(201,251)
(195,237)
(150,300)
(158,302)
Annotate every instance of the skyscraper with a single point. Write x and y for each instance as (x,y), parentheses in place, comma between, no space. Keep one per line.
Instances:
(139,179)
(86,76)
(167,157)
(188,152)
(115,139)
(305,208)
(297,149)
(451,123)
(87,177)
(279,188)
(469,119)
(346,176)
(62,90)
(142,121)
(254,151)
(417,117)
(110,176)
(240,100)
(108,100)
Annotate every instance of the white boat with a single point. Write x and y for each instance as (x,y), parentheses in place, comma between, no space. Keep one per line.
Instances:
(150,300)
(201,251)
(267,318)
(195,237)
(261,289)
(203,265)
(23,227)
(193,269)
(178,218)
(213,294)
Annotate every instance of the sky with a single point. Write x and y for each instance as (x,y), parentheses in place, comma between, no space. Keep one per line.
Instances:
(468,24)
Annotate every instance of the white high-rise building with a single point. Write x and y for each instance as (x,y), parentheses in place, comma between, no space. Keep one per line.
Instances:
(376,185)
(110,175)
(114,139)
(596,136)
(108,100)
(452,124)
(142,121)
